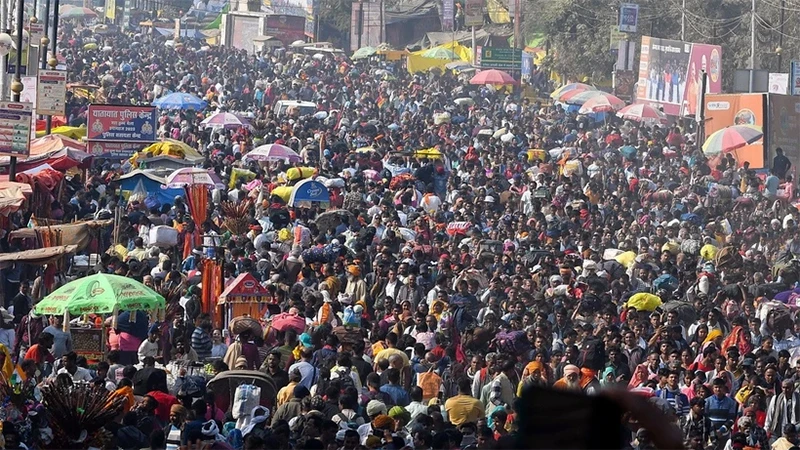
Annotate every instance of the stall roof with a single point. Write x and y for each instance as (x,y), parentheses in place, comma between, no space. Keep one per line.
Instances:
(245,286)
(38,256)
(408,10)
(148,175)
(75,234)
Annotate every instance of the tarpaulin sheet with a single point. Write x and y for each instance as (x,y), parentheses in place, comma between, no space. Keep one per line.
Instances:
(11,199)
(38,256)
(77,234)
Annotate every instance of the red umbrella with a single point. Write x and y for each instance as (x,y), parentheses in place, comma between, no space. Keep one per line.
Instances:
(492,77)
(602,103)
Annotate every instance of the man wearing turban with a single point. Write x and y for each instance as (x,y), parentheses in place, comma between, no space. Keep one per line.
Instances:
(356,288)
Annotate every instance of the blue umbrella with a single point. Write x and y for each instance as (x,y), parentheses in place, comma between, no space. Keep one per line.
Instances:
(180,100)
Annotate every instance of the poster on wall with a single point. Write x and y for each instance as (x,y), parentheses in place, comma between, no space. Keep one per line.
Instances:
(670,74)
(473,13)
(724,110)
(245,31)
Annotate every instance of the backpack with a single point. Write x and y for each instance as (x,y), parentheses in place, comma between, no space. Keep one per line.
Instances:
(348,423)
(592,354)
(511,342)
(345,380)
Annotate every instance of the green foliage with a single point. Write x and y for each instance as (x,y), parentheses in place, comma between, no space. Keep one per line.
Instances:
(578,32)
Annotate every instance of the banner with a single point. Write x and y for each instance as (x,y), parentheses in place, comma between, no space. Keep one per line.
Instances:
(724,110)
(670,73)
(778,83)
(52,92)
(628,17)
(784,127)
(448,15)
(794,76)
(114,150)
(473,13)
(15,132)
(111,10)
(121,123)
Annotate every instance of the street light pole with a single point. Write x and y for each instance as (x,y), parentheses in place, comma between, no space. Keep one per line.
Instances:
(16,86)
(53,60)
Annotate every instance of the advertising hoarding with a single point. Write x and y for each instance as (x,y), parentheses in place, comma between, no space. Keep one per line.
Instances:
(670,73)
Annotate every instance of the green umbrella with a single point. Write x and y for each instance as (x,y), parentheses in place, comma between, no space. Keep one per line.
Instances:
(440,53)
(364,52)
(100,294)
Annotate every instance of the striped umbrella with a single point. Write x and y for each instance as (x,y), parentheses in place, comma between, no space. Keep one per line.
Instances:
(579,97)
(642,113)
(570,87)
(602,103)
(731,138)
(225,120)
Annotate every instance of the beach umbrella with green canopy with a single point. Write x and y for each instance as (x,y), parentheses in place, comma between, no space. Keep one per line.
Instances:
(100,294)
(364,52)
(440,53)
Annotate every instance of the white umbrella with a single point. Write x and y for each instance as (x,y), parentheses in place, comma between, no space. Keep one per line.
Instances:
(193,175)
(273,152)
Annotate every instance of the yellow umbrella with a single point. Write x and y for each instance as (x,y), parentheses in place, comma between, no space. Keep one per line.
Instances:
(70,132)
(644,301)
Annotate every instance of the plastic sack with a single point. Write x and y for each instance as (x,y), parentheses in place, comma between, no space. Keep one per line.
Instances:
(708,252)
(246,398)
(163,236)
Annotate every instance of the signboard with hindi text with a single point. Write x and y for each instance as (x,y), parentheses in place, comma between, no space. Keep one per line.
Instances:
(15,128)
(500,58)
(52,92)
(628,17)
(121,123)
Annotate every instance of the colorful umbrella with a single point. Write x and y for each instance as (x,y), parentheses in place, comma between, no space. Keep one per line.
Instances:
(77,12)
(580,97)
(492,77)
(364,52)
(569,87)
(180,100)
(731,138)
(273,152)
(642,113)
(439,53)
(194,175)
(225,120)
(100,294)
(602,103)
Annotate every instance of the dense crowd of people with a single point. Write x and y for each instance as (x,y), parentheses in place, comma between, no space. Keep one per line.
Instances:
(532,247)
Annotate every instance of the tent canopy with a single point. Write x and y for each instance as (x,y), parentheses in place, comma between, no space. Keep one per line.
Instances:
(309,191)
(38,256)
(244,288)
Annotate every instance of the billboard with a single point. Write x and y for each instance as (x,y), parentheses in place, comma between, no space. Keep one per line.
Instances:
(628,17)
(473,13)
(366,25)
(121,123)
(670,73)
(724,110)
(784,127)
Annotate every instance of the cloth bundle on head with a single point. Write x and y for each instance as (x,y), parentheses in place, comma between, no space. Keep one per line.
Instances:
(260,414)
(383,422)
(354,270)
(375,408)
(210,430)
(400,413)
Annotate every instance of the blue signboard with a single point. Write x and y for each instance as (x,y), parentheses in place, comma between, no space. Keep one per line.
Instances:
(121,123)
(527,66)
